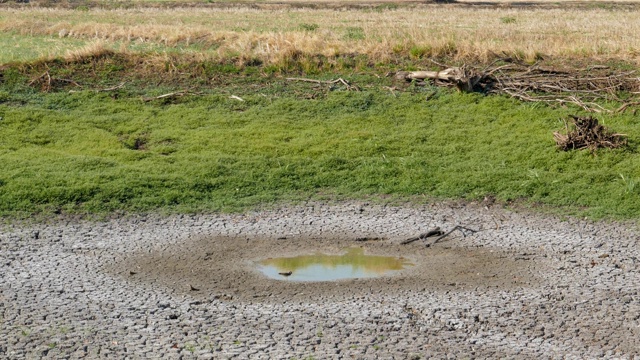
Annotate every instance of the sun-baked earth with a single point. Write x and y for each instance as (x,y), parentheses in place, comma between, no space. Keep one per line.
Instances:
(524,286)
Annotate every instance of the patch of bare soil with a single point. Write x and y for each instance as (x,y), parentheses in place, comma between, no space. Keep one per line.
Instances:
(226,268)
(522,285)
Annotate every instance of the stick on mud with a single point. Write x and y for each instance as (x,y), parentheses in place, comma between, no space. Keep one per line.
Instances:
(433,232)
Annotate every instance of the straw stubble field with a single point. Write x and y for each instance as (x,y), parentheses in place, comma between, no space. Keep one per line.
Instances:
(383,33)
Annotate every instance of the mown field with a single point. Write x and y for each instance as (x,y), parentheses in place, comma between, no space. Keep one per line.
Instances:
(188,109)
(383,32)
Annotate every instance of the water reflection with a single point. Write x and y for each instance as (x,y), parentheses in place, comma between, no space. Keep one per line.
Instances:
(321,267)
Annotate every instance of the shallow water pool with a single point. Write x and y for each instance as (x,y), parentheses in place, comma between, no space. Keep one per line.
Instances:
(353,264)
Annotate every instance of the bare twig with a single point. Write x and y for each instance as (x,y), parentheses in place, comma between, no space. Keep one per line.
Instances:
(309,80)
(457,227)
(433,232)
(174,94)
(626,105)
(119,86)
(439,64)
(329,82)
(46,81)
(45,74)
(67,81)
(47,84)
(391,90)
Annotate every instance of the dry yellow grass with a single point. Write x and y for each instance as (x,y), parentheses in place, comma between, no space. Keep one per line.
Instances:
(399,2)
(272,35)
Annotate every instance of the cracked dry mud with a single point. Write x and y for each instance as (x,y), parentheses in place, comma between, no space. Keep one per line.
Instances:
(186,286)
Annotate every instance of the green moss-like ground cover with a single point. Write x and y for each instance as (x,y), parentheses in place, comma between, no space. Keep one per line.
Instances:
(88,152)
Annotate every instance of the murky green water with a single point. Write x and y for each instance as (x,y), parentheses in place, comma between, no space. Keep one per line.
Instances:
(321,267)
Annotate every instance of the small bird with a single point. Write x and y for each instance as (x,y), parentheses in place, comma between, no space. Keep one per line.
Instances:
(193,288)
(288,273)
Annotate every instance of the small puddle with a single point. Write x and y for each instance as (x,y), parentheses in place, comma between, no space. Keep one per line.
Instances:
(321,267)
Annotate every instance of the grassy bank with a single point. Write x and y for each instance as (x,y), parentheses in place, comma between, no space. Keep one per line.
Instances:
(81,129)
(89,151)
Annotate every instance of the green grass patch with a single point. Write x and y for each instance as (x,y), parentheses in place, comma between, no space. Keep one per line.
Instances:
(18,48)
(89,152)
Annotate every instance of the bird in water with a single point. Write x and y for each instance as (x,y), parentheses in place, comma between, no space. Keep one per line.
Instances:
(288,273)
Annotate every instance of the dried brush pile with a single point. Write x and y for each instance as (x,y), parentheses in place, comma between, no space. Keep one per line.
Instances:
(587,88)
(586,133)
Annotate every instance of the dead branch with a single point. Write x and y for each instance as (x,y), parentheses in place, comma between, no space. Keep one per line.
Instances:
(457,227)
(585,88)
(33,81)
(44,79)
(433,232)
(464,78)
(329,82)
(445,75)
(624,106)
(119,86)
(391,90)
(67,81)
(174,94)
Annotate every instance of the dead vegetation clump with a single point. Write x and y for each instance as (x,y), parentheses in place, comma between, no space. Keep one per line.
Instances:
(587,88)
(587,133)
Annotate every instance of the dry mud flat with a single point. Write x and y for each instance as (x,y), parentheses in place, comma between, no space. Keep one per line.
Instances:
(525,286)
